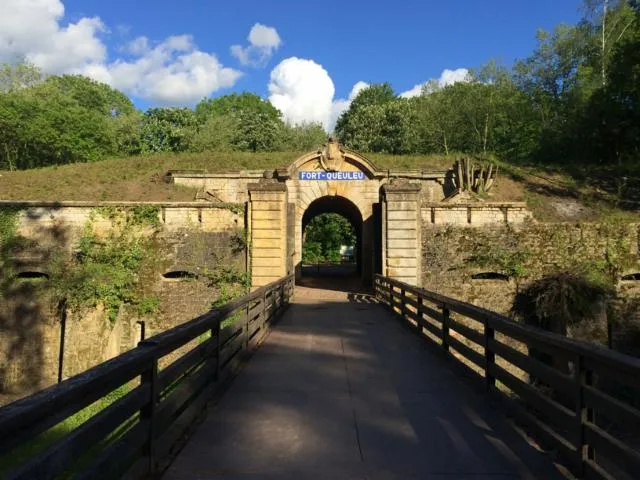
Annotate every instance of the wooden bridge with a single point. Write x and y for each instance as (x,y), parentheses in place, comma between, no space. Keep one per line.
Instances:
(426,387)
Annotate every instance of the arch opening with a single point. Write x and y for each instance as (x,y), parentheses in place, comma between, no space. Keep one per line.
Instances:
(326,221)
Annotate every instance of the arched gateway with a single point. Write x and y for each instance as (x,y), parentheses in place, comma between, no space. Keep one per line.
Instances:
(339,181)
(388,209)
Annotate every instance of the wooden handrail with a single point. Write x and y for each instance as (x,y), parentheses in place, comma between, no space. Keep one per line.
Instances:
(160,405)
(579,412)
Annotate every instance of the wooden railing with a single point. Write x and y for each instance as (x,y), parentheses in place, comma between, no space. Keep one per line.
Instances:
(574,398)
(134,433)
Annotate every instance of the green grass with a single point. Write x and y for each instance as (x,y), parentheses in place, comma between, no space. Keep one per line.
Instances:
(17,457)
(141,179)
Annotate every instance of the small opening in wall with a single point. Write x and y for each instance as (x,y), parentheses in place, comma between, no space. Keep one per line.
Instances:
(178,275)
(631,276)
(33,276)
(490,276)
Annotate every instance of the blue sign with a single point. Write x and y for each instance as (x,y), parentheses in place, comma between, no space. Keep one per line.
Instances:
(322,175)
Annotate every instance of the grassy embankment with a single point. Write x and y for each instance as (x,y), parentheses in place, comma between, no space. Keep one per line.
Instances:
(554,194)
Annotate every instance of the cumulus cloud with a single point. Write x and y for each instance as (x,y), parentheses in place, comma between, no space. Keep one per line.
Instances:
(303,91)
(447,77)
(31,30)
(263,42)
(171,72)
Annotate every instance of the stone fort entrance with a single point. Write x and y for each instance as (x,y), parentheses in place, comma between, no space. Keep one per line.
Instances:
(387,208)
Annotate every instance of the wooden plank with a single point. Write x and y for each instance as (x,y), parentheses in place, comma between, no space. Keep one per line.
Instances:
(562,417)
(593,471)
(178,398)
(185,363)
(608,371)
(434,314)
(540,430)
(24,419)
(623,414)
(431,327)
(620,454)
(530,365)
(70,448)
(184,421)
(469,333)
(117,457)
(468,353)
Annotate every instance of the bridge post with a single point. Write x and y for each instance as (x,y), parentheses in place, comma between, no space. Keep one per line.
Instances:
(489,356)
(445,328)
(583,377)
(148,412)
(402,232)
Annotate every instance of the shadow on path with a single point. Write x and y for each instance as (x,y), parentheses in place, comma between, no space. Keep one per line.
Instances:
(341,390)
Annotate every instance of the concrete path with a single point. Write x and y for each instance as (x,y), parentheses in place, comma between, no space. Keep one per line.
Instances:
(341,390)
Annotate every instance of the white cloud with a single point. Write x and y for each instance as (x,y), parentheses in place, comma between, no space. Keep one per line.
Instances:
(263,42)
(303,91)
(172,72)
(447,77)
(31,29)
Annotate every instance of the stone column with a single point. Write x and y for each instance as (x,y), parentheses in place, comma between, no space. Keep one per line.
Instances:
(402,232)
(268,232)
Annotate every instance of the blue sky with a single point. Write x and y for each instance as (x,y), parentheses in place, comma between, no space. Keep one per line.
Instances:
(403,42)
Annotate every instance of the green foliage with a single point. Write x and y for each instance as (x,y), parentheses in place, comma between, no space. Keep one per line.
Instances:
(508,256)
(558,302)
(324,235)
(106,268)
(167,129)
(8,224)
(246,122)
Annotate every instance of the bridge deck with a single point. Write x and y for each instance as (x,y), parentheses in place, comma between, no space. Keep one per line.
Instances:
(341,390)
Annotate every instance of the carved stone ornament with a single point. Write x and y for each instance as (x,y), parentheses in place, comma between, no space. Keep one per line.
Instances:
(332,158)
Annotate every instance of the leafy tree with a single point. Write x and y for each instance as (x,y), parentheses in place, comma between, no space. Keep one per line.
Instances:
(324,236)
(302,137)
(347,127)
(217,134)
(257,121)
(168,129)
(17,76)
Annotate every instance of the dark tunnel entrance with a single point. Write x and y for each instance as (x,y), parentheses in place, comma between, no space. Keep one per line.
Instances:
(326,219)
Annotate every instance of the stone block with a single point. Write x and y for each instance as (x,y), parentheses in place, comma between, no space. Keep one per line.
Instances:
(402,244)
(406,234)
(259,243)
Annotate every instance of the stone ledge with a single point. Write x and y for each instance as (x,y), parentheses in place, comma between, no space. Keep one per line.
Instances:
(85,204)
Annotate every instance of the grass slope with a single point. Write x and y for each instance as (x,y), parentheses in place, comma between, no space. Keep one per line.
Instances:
(552,194)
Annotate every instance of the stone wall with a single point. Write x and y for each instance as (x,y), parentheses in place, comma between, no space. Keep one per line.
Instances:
(534,249)
(192,240)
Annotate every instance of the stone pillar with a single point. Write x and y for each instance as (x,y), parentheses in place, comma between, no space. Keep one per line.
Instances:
(401,234)
(268,232)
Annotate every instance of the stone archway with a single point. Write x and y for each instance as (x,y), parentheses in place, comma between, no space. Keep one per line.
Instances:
(279,202)
(345,208)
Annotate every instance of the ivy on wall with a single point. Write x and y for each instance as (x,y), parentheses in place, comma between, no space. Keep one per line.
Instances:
(105,269)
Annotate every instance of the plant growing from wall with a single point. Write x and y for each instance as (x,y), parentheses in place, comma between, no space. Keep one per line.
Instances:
(105,269)
(506,255)
(8,241)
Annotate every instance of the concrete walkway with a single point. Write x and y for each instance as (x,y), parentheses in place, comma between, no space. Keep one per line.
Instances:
(341,390)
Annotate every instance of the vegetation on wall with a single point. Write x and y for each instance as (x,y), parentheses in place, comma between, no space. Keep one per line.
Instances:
(105,269)
(8,242)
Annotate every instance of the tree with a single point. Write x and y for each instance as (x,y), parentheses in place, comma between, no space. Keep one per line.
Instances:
(16,76)
(367,100)
(302,137)
(168,129)
(258,122)
(324,235)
